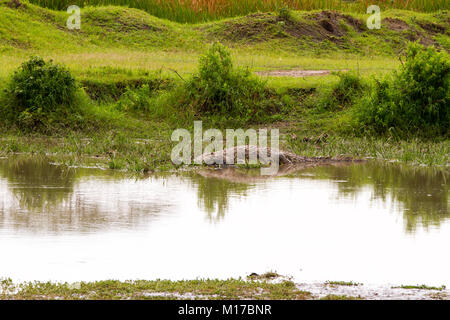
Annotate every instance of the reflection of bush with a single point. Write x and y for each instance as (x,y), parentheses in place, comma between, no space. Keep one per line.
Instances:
(423,192)
(214,194)
(42,198)
(37,184)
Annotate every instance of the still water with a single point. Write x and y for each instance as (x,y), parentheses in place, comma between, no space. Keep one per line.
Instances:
(376,223)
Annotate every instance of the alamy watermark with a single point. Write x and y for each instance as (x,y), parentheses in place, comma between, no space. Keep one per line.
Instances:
(374,21)
(191,150)
(74,21)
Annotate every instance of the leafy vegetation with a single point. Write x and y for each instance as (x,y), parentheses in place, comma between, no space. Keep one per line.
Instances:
(41,92)
(107,108)
(421,287)
(222,91)
(415,99)
(142,80)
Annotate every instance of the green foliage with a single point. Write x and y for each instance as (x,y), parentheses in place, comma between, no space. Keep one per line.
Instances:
(416,99)
(284,13)
(39,93)
(344,93)
(135,100)
(154,104)
(111,91)
(229,93)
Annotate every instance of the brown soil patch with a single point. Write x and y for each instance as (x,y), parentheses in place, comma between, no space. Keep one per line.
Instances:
(15,4)
(412,34)
(432,27)
(331,20)
(325,25)
(319,27)
(254,27)
(395,24)
(19,44)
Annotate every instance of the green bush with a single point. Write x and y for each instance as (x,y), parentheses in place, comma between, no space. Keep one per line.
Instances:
(40,93)
(222,91)
(284,13)
(414,100)
(137,100)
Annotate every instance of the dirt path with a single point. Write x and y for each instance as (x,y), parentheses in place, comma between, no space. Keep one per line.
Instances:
(296,73)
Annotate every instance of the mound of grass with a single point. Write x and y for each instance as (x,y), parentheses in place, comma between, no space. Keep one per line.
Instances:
(414,100)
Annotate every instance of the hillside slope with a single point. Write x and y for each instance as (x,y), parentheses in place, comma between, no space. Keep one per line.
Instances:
(124,42)
(32,28)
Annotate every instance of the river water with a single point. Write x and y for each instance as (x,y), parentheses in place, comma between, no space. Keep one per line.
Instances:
(376,223)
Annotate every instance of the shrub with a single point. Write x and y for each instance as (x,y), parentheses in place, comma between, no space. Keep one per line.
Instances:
(39,92)
(416,98)
(284,13)
(220,90)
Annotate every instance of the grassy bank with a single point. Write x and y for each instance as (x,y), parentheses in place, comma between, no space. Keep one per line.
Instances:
(232,289)
(151,290)
(130,65)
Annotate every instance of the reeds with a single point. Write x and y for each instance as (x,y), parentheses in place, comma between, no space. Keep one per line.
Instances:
(191,11)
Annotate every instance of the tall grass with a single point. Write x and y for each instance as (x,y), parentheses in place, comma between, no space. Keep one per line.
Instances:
(192,11)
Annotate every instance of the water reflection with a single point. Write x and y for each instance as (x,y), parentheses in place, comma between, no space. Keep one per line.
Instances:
(214,193)
(421,192)
(36,184)
(338,222)
(41,197)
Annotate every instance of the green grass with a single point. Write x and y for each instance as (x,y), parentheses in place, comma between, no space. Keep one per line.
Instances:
(158,289)
(207,10)
(421,287)
(117,44)
(121,47)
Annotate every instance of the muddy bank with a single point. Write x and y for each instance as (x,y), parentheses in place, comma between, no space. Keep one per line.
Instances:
(327,27)
(372,292)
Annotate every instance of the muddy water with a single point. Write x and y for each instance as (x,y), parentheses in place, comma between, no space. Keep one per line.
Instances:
(369,222)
